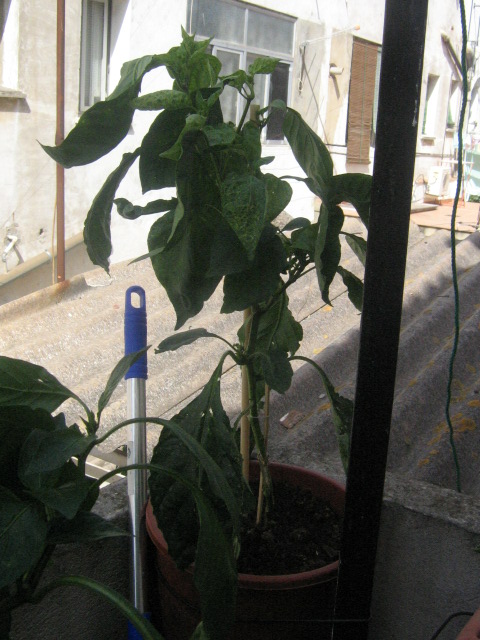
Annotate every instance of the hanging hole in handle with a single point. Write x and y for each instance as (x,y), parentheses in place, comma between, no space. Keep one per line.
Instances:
(136,300)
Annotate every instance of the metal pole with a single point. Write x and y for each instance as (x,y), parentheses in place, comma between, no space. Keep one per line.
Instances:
(398,116)
(135,340)
(59,136)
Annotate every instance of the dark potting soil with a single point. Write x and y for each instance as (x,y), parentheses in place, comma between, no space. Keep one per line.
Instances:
(300,533)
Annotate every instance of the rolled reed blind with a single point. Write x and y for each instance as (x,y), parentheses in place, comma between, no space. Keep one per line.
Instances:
(361,99)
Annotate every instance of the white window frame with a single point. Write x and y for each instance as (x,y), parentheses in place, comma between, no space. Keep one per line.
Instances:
(85,101)
(244,50)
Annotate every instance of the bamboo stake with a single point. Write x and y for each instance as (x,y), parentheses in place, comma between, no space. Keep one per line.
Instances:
(266,421)
(245,421)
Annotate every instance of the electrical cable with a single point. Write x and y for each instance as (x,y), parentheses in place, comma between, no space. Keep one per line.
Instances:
(453,249)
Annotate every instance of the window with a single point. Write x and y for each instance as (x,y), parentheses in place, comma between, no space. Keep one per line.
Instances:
(430,111)
(94,54)
(454,102)
(363,100)
(242,33)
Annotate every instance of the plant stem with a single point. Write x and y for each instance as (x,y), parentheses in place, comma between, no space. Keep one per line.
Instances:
(260,500)
(245,422)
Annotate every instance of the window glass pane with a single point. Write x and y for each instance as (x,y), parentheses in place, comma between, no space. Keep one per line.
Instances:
(214,18)
(269,32)
(278,91)
(229,99)
(93,52)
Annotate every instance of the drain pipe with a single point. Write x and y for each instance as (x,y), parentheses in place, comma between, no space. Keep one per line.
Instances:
(59,136)
(398,115)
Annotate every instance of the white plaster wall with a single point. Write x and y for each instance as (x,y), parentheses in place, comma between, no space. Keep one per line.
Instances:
(141,27)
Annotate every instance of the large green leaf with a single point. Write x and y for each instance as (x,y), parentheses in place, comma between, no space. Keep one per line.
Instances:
(157,172)
(65,491)
(328,249)
(24,383)
(84,527)
(355,188)
(182,266)
(119,371)
(102,127)
(311,153)
(260,282)
(263,65)
(251,141)
(204,69)
(358,245)
(354,287)
(277,370)
(193,122)
(243,201)
(130,211)
(183,338)
(45,451)
(23,531)
(96,231)
(204,420)
(219,134)
(279,194)
(164,99)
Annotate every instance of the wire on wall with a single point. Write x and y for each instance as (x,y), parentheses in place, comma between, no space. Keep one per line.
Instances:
(456,335)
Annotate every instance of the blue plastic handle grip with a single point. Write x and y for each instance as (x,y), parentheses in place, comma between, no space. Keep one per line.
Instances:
(133,634)
(136,331)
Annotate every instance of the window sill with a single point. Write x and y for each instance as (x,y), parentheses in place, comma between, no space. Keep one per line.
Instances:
(12,94)
(428,139)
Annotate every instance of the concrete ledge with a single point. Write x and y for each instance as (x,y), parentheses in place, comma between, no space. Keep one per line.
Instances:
(426,569)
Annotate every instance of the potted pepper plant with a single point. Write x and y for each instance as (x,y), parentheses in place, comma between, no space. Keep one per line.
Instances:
(220,229)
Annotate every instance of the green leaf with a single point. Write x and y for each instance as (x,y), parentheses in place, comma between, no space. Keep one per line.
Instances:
(263,65)
(84,527)
(277,369)
(155,171)
(96,231)
(119,371)
(67,495)
(236,79)
(328,248)
(182,265)
(24,383)
(102,127)
(243,199)
(164,99)
(358,245)
(205,422)
(355,188)
(257,284)
(145,628)
(45,451)
(15,425)
(354,287)
(251,141)
(182,338)
(342,412)
(23,532)
(131,212)
(193,122)
(220,134)
(279,194)
(297,223)
(204,69)
(305,237)
(311,153)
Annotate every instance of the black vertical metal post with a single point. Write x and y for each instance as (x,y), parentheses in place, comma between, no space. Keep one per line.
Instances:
(398,115)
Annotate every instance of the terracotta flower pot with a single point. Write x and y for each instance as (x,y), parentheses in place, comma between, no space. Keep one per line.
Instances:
(471,631)
(273,600)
